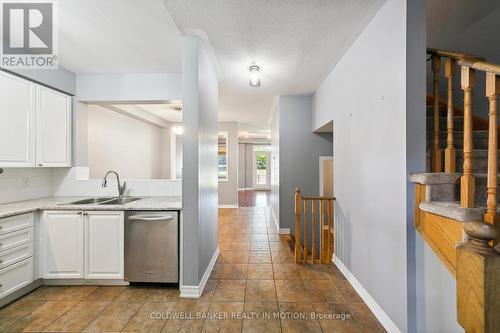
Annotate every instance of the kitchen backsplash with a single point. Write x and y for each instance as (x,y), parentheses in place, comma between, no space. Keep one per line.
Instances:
(25,183)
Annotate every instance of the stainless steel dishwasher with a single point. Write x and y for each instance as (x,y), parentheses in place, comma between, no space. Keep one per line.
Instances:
(152,246)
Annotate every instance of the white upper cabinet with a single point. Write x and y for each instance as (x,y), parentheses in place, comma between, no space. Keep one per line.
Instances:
(53,128)
(35,124)
(17,121)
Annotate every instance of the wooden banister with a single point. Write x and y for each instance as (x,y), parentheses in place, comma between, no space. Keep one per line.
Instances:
(436,151)
(468,181)
(478,280)
(480,65)
(321,223)
(449,153)
(451,54)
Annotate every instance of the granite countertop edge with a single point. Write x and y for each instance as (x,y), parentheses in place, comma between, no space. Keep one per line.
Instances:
(60,203)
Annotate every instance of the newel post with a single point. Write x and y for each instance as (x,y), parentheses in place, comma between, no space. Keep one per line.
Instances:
(436,151)
(492,92)
(478,280)
(449,153)
(297,224)
(467,181)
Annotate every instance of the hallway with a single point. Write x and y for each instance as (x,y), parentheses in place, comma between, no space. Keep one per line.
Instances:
(255,276)
(253,198)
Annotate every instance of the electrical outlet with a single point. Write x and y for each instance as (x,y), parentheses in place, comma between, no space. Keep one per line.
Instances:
(25,182)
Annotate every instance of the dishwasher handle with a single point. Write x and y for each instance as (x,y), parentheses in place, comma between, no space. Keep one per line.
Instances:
(150,218)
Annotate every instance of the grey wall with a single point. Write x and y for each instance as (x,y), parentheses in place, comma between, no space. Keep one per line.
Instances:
(299,152)
(365,95)
(199,185)
(241,165)
(228,190)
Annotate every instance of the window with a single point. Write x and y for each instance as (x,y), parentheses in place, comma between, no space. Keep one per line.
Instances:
(223,156)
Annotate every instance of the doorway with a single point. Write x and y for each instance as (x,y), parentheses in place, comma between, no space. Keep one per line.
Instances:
(261,168)
(326,176)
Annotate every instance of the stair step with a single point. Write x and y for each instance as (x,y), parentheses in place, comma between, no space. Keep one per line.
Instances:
(480,139)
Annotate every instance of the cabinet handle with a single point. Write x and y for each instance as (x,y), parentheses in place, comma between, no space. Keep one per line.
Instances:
(85,213)
(79,213)
(40,164)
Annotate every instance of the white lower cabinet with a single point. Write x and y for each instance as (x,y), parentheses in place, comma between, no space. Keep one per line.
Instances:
(62,244)
(80,244)
(104,245)
(16,276)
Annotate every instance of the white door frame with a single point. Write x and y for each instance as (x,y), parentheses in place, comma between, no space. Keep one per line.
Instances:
(268,171)
(321,160)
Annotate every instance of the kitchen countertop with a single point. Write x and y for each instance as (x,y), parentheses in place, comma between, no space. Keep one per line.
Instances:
(59,203)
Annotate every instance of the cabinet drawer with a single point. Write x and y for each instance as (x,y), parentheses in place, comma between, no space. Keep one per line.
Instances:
(16,276)
(17,222)
(16,254)
(16,238)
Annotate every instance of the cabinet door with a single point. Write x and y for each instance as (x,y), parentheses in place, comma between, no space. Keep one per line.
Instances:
(17,121)
(53,128)
(62,244)
(104,245)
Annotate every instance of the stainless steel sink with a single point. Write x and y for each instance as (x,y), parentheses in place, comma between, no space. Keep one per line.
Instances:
(89,201)
(119,201)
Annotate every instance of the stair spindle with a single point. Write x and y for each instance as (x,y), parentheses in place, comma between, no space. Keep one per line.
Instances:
(297,224)
(467,181)
(449,153)
(305,230)
(436,151)
(492,92)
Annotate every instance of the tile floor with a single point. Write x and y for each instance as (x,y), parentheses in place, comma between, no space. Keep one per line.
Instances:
(255,286)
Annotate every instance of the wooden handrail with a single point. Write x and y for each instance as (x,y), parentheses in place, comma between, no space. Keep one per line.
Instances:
(451,54)
(321,220)
(480,65)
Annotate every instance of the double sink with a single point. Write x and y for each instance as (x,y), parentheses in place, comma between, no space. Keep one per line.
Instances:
(103,201)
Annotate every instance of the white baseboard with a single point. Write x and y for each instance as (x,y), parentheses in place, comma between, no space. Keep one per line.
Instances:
(281,231)
(228,206)
(196,291)
(382,317)
(246,189)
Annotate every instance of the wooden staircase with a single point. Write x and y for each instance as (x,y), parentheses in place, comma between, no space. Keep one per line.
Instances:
(456,202)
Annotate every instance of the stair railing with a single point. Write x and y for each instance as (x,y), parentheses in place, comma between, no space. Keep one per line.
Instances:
(469,66)
(321,224)
(450,61)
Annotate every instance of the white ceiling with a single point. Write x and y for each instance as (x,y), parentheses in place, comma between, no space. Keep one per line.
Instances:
(294,42)
(117,36)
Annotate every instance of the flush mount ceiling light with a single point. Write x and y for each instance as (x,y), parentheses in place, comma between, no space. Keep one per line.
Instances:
(178,130)
(254,76)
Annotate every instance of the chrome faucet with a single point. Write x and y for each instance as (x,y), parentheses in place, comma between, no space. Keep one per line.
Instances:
(121,188)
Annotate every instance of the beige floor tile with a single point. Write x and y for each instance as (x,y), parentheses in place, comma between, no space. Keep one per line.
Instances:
(286,272)
(322,291)
(46,293)
(310,272)
(365,318)
(291,291)
(232,323)
(298,318)
(17,310)
(165,294)
(76,293)
(151,317)
(264,317)
(260,272)
(230,290)
(187,317)
(40,318)
(260,290)
(259,246)
(348,293)
(235,246)
(235,257)
(234,272)
(136,294)
(78,317)
(336,317)
(258,257)
(208,291)
(114,317)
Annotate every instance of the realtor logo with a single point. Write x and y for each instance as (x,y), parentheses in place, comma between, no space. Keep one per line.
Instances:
(28,35)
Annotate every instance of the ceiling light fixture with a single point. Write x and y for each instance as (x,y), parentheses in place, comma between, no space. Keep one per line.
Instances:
(254,76)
